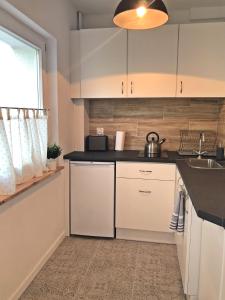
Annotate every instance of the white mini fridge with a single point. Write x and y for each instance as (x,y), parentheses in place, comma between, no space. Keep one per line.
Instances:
(92,198)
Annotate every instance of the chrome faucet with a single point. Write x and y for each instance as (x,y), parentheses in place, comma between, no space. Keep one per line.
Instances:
(201,140)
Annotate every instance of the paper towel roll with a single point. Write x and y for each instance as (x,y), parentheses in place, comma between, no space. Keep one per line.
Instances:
(120,139)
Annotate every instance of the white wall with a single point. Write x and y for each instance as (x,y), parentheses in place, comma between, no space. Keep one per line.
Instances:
(31,226)
(57,17)
(196,14)
(97,20)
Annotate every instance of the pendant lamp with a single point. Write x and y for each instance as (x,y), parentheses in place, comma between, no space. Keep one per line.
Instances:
(140,14)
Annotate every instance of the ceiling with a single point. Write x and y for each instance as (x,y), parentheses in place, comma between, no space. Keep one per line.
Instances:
(108,6)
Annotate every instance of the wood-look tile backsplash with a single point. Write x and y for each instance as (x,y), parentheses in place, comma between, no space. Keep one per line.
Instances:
(221,125)
(137,117)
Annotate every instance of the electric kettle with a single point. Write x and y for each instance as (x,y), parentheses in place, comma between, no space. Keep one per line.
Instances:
(153,146)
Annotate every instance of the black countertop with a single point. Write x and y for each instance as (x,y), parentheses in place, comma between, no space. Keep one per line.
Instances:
(129,155)
(205,187)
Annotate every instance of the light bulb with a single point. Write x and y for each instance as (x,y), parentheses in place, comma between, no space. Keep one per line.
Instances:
(141,11)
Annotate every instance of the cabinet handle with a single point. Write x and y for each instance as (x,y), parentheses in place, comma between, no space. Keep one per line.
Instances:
(181,87)
(144,171)
(131,87)
(145,192)
(122,87)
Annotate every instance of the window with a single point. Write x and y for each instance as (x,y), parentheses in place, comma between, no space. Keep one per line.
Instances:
(20,72)
(23,122)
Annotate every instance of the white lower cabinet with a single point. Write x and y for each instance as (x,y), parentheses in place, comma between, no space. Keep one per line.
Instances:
(201,254)
(223,270)
(189,249)
(212,273)
(189,245)
(144,204)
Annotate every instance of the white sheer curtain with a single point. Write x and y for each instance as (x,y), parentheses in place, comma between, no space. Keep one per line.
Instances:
(23,147)
(7,176)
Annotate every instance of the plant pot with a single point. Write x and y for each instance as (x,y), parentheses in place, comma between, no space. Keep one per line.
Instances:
(51,164)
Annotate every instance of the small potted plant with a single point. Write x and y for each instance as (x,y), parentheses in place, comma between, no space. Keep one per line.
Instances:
(53,152)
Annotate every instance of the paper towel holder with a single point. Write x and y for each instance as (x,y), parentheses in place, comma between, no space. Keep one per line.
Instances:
(120,140)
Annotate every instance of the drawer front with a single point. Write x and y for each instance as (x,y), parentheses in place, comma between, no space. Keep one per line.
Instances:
(146,170)
(144,204)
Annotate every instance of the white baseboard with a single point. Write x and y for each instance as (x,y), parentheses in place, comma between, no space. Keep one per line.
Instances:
(145,236)
(26,282)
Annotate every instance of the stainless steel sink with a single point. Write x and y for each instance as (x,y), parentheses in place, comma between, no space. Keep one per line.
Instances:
(203,164)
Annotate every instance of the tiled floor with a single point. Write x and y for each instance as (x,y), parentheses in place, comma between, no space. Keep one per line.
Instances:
(92,269)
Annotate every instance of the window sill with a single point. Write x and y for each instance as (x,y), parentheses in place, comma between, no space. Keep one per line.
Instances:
(26,186)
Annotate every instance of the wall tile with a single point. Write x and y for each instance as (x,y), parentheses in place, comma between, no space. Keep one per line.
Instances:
(146,109)
(169,129)
(99,109)
(203,125)
(110,126)
(166,116)
(221,124)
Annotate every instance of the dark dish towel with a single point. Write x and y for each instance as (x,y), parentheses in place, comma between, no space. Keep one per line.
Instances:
(177,219)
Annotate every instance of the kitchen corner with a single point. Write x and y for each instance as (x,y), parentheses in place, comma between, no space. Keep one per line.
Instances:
(190,119)
(132,94)
(205,187)
(160,179)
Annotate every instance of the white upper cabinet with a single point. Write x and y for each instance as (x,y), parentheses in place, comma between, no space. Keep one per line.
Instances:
(103,63)
(201,63)
(116,63)
(152,62)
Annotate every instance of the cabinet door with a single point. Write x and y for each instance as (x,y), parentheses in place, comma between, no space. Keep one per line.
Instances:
(75,64)
(211,262)
(152,62)
(103,63)
(144,204)
(92,199)
(201,64)
(222,296)
(193,248)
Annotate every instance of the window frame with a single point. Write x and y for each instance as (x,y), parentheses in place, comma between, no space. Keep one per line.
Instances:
(15,28)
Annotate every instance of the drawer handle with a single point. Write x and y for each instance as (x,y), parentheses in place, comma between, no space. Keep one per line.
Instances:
(145,192)
(143,171)
(181,87)
(131,87)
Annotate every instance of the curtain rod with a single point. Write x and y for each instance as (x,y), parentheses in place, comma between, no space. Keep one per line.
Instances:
(3,107)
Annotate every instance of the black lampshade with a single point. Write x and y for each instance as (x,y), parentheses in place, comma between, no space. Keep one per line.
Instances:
(140,14)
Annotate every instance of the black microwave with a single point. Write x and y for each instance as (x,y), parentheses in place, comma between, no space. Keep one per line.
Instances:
(97,143)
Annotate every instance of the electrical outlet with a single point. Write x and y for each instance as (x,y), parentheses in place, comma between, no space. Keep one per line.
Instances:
(100,131)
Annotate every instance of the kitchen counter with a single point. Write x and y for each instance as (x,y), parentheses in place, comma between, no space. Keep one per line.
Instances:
(205,187)
(129,155)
